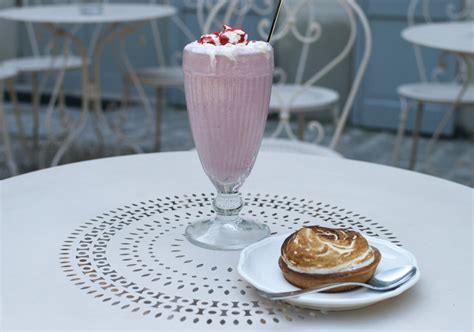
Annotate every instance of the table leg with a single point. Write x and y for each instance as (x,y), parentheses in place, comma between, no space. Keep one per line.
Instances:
(6,137)
(455,106)
(401,130)
(100,122)
(35,110)
(82,121)
(121,30)
(52,106)
(416,134)
(91,90)
(133,79)
(62,107)
(160,103)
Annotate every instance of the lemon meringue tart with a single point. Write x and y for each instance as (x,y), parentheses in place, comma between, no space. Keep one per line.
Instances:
(315,256)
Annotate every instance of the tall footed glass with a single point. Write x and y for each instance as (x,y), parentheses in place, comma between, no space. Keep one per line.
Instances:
(227,94)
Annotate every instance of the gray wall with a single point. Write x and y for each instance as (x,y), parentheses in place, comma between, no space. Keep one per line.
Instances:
(8,40)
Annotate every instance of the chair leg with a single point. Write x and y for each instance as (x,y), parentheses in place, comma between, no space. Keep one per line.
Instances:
(439,130)
(18,115)
(401,131)
(62,107)
(99,122)
(6,137)
(301,126)
(36,106)
(160,103)
(416,134)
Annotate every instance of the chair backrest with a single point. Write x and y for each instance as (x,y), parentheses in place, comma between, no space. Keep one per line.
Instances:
(420,11)
(289,26)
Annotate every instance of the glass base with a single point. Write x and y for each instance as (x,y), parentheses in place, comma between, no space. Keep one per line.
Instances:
(226,235)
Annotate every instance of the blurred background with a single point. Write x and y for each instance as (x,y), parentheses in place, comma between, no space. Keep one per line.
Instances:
(136,99)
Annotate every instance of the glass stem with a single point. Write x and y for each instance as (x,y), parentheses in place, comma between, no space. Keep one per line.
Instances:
(228,206)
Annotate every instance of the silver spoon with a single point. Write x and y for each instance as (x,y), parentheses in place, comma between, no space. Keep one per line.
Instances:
(382,281)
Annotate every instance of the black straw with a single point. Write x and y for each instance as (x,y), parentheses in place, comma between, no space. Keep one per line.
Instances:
(275,19)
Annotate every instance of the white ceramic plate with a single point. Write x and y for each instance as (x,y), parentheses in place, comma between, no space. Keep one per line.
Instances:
(258,265)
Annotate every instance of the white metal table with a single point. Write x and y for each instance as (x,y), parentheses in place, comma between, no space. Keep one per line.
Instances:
(453,37)
(100,244)
(122,20)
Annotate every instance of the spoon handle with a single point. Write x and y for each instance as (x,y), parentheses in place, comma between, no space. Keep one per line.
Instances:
(286,295)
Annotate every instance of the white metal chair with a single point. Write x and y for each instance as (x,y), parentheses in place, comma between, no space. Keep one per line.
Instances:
(211,15)
(6,73)
(430,90)
(42,62)
(301,97)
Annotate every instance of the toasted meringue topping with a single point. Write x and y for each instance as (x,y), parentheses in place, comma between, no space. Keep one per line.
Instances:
(320,250)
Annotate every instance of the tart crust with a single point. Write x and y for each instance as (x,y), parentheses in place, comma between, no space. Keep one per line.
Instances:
(306,280)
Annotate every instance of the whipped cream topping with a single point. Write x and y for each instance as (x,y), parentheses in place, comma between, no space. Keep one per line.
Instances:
(230,42)
(229,35)
(320,250)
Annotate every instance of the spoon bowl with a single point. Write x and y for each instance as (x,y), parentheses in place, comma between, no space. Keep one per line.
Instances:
(382,281)
(393,278)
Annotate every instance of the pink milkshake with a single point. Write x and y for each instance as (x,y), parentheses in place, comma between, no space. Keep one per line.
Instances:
(228,82)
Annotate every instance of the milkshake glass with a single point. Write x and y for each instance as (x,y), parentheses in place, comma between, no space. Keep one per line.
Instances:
(228,83)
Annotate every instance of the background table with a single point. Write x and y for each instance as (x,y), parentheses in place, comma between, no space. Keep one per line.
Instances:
(71,13)
(100,244)
(122,20)
(452,37)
